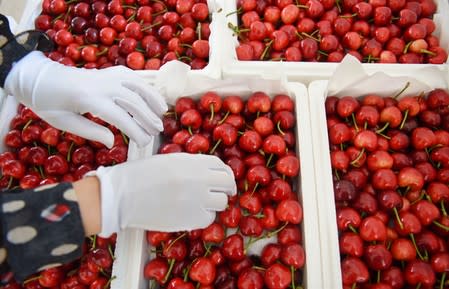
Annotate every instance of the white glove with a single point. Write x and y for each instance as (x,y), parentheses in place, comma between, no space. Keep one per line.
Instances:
(59,94)
(168,192)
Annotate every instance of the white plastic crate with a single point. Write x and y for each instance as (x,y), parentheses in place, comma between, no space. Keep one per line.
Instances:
(355,84)
(306,72)
(132,250)
(33,8)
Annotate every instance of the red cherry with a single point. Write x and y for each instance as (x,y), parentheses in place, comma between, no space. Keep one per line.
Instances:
(156,269)
(13,168)
(289,211)
(277,276)
(202,271)
(418,271)
(353,271)
(288,165)
(250,278)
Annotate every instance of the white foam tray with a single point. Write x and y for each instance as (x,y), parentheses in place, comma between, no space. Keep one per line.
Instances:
(34,7)
(306,72)
(132,248)
(318,91)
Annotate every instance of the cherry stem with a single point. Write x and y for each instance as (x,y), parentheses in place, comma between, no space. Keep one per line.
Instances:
(31,279)
(94,242)
(310,36)
(265,51)
(418,199)
(359,156)
(125,138)
(351,227)
(378,276)
(215,146)
(224,117)
(384,136)
(386,125)
(418,286)
(396,214)
(212,111)
(170,268)
(412,237)
(323,53)
(238,11)
(198,30)
(10,182)
(425,51)
(355,122)
(269,160)
(175,240)
(443,277)
(406,47)
(278,125)
(132,17)
(254,189)
(185,274)
(27,124)
(259,268)
(69,153)
(441,226)
(354,285)
(404,119)
(337,174)
(111,252)
(443,208)
(109,282)
(337,2)
(207,247)
(402,90)
(151,26)
(189,129)
(292,270)
(348,16)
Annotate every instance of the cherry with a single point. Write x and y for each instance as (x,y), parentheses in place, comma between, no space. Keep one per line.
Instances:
(293,255)
(277,276)
(372,229)
(156,269)
(263,125)
(288,166)
(289,211)
(418,271)
(353,271)
(13,168)
(351,244)
(51,277)
(250,278)
(233,247)
(250,141)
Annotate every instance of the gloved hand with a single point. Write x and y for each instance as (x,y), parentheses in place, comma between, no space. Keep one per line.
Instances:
(59,94)
(168,192)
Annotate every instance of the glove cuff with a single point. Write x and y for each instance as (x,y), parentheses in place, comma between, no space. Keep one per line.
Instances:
(109,202)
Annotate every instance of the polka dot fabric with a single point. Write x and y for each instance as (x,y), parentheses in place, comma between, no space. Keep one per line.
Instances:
(34,228)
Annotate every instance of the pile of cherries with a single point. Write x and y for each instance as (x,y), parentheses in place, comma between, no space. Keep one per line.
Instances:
(381,31)
(390,160)
(141,34)
(39,154)
(256,139)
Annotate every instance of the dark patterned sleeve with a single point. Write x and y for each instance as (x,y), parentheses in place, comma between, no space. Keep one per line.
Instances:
(13,48)
(41,228)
